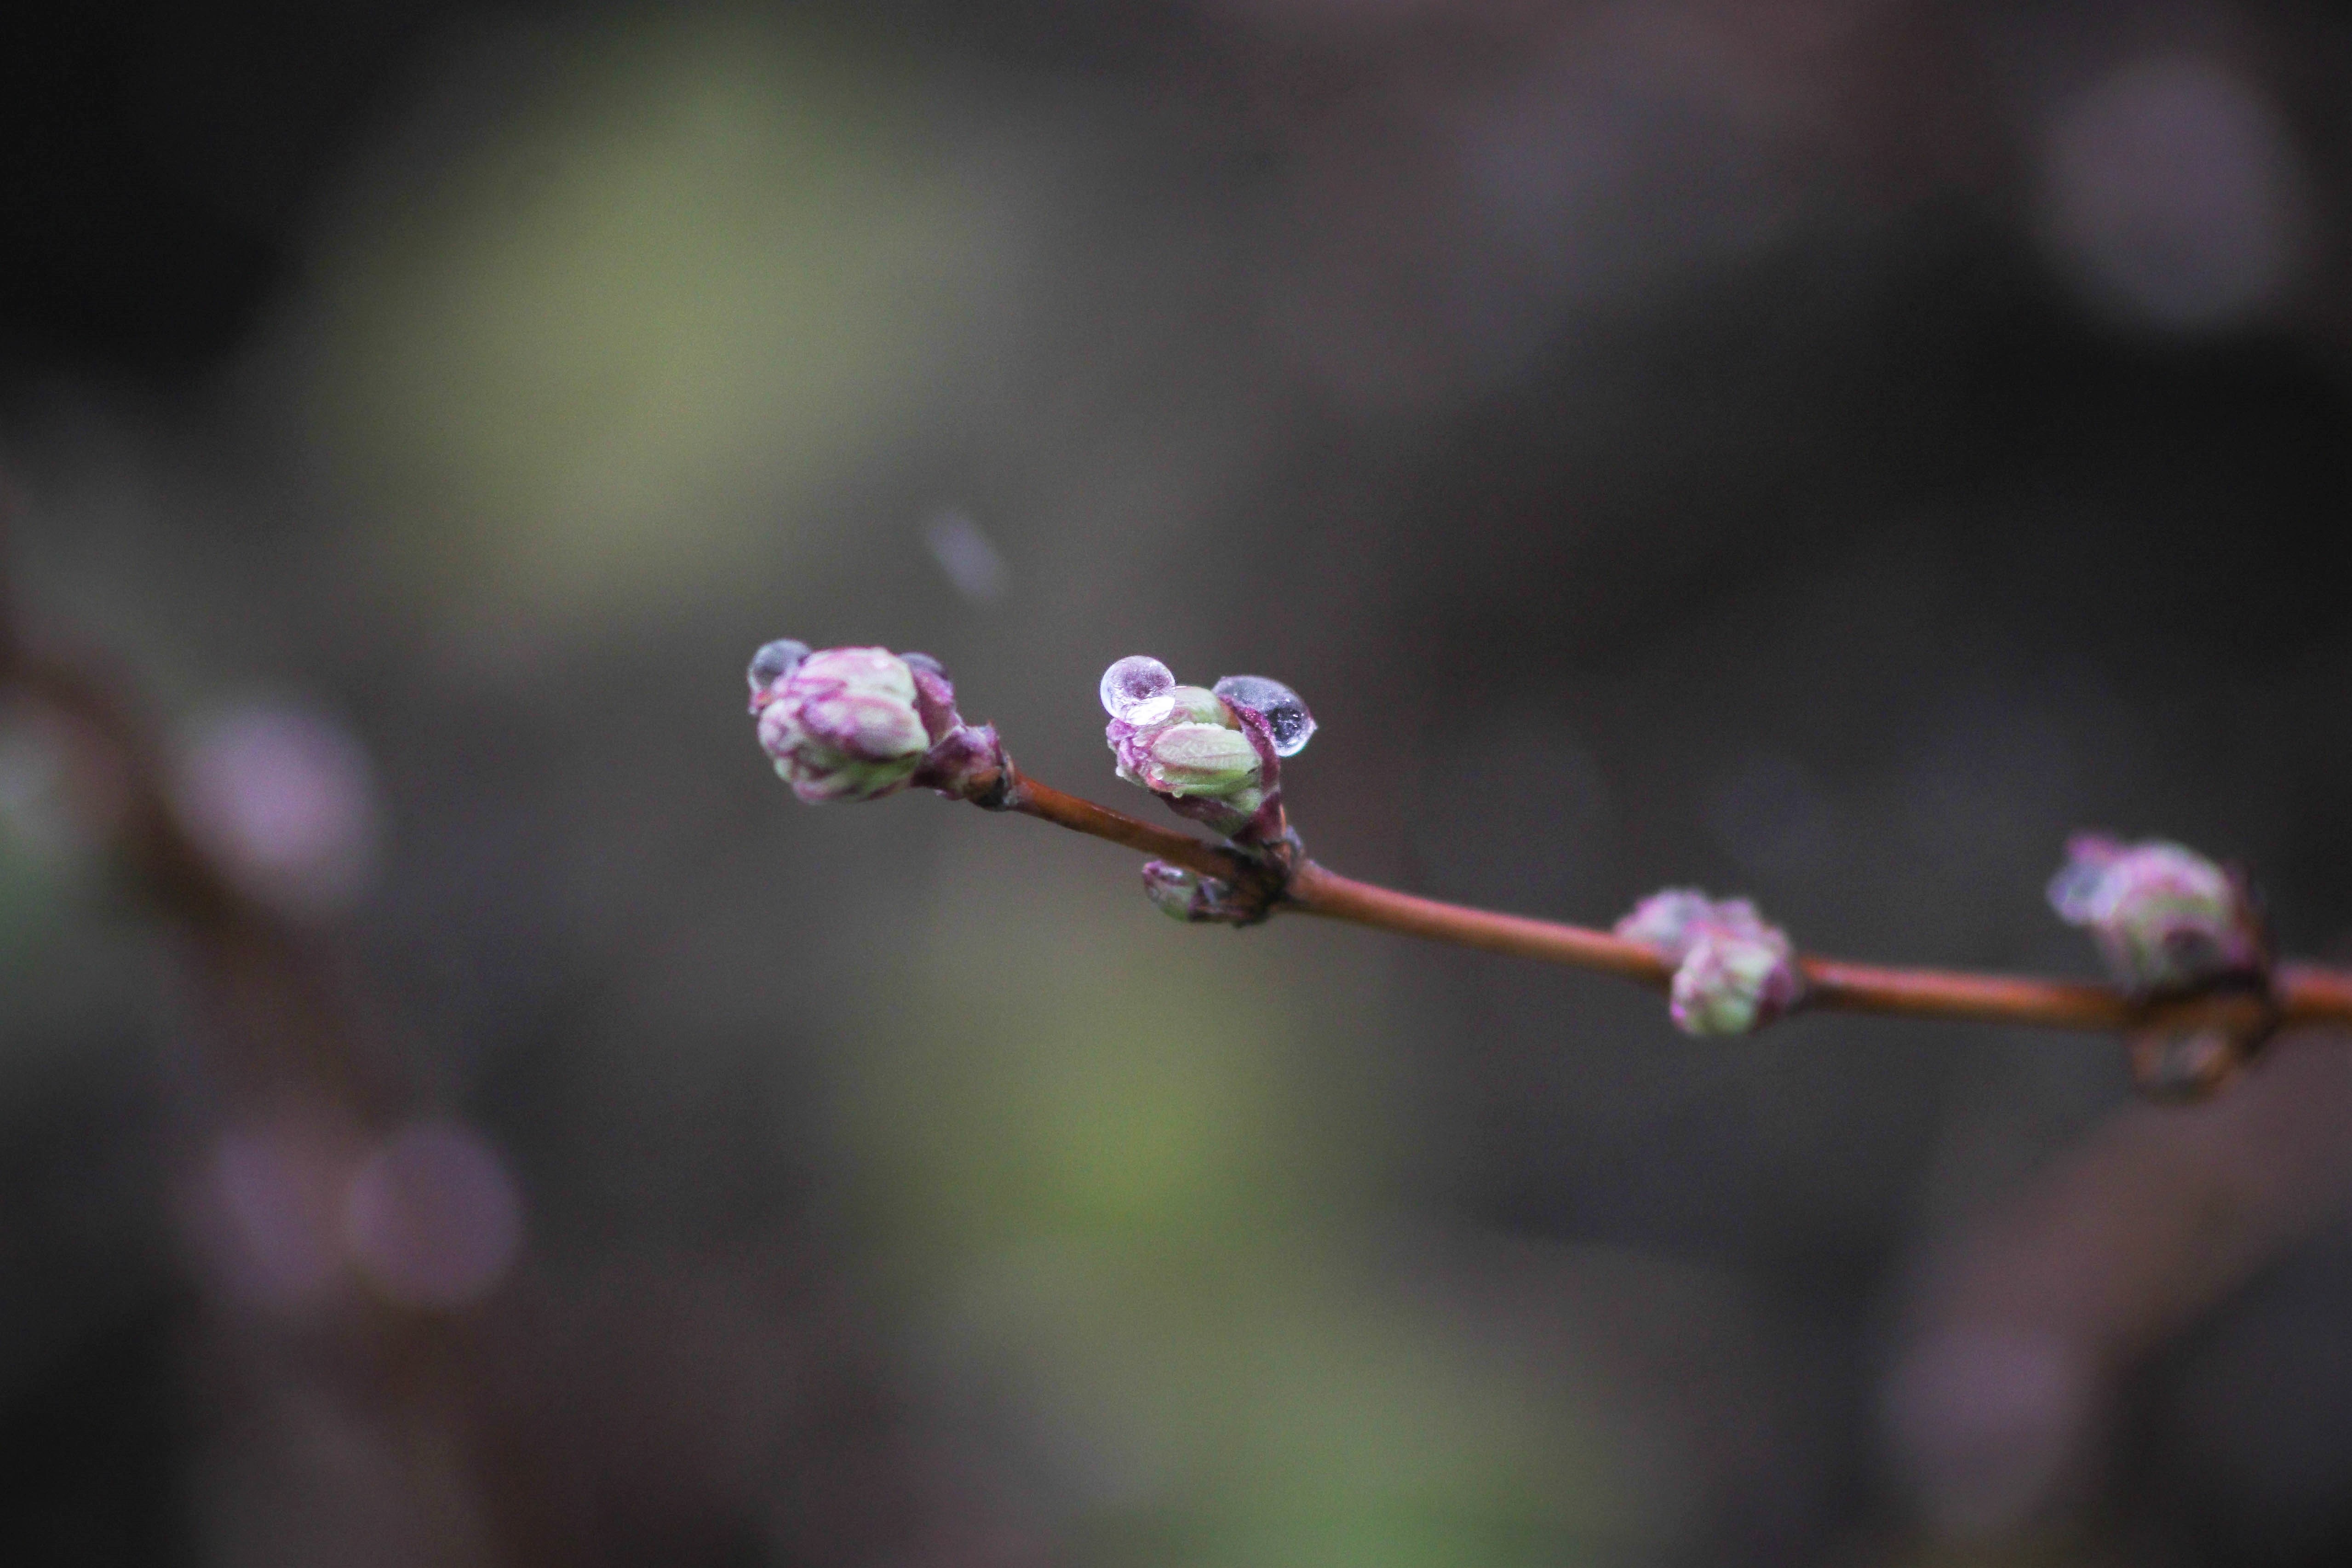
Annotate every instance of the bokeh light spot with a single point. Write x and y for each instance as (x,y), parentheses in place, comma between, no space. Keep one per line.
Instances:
(433,1218)
(2171,189)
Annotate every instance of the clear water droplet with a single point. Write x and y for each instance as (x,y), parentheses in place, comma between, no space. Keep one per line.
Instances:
(1136,679)
(775,661)
(1285,716)
(1150,711)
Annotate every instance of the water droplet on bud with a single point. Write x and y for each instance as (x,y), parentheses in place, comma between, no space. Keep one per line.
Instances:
(1150,711)
(774,662)
(1285,716)
(1136,679)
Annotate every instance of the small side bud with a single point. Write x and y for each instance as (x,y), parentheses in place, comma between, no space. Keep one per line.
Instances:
(2165,917)
(2187,1063)
(1171,889)
(1733,972)
(1178,893)
(1186,895)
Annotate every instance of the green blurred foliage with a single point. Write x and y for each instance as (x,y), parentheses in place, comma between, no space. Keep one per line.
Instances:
(1133,1174)
(605,361)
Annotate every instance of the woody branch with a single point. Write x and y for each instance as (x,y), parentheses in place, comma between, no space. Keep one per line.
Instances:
(2196,991)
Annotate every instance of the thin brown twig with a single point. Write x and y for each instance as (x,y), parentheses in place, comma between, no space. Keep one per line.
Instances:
(2300,994)
(1044,802)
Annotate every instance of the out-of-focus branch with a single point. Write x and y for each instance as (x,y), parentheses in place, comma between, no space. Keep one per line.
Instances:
(2026,1317)
(277,1029)
(250,962)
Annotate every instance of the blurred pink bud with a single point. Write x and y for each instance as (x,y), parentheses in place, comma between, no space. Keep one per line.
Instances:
(284,800)
(1731,986)
(1735,973)
(2163,917)
(432,1217)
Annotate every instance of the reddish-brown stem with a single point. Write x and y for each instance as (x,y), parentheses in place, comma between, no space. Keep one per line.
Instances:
(2302,994)
(1047,803)
(2309,994)
(1317,892)
(1836,984)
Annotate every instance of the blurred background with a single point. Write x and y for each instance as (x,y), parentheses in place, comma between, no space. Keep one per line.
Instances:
(1824,450)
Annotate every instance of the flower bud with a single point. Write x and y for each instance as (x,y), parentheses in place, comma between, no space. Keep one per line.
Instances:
(844,724)
(1184,741)
(1188,757)
(856,723)
(1731,985)
(1735,973)
(1212,756)
(2165,917)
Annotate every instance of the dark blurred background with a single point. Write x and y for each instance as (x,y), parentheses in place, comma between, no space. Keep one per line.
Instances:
(1824,450)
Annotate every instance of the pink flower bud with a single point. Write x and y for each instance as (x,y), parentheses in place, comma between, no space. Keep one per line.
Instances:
(1213,755)
(857,723)
(1184,743)
(1735,973)
(2165,917)
(842,725)
(1732,986)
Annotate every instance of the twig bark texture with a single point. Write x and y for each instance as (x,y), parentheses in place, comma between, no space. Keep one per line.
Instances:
(2300,994)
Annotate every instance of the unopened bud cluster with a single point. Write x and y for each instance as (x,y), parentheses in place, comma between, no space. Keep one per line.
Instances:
(1212,753)
(1734,972)
(859,723)
(2170,922)
(2165,917)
